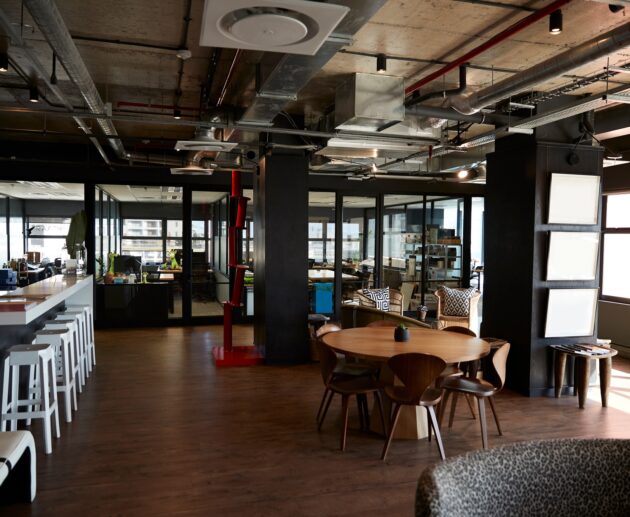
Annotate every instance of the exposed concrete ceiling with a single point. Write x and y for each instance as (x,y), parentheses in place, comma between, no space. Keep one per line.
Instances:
(129,49)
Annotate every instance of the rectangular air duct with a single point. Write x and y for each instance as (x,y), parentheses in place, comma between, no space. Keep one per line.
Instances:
(369,102)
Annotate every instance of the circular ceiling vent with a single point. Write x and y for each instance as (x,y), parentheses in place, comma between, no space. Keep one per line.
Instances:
(287,26)
(268,26)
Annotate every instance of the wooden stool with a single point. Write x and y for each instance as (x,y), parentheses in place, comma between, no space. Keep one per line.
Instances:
(75,347)
(79,320)
(582,371)
(64,353)
(89,329)
(41,357)
(82,321)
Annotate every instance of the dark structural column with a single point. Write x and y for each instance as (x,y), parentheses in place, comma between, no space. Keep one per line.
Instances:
(281,257)
(517,236)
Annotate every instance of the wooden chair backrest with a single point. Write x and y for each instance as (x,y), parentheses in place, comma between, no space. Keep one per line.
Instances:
(460,330)
(382,323)
(326,328)
(495,369)
(416,371)
(327,361)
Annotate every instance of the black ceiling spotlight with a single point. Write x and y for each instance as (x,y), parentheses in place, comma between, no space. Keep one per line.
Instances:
(381,63)
(33,94)
(53,76)
(555,22)
(4,54)
(615,8)
(177,113)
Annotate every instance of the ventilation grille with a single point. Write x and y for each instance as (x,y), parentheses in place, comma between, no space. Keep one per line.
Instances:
(287,26)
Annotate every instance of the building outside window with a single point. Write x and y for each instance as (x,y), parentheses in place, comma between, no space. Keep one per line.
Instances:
(47,235)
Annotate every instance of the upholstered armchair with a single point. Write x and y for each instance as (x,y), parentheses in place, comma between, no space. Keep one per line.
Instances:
(395,300)
(550,477)
(446,320)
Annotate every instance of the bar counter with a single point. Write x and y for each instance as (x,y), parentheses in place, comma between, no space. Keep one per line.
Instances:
(19,322)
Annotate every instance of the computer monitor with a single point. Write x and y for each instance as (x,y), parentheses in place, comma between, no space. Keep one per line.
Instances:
(128,264)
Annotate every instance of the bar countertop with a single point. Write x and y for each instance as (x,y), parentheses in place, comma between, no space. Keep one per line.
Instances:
(40,297)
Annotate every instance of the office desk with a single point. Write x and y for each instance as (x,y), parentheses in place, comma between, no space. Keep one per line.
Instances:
(325,275)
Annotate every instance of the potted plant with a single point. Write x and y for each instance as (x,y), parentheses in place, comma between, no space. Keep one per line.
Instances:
(401,333)
(422,312)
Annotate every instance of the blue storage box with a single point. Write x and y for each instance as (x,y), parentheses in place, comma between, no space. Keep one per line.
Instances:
(323,297)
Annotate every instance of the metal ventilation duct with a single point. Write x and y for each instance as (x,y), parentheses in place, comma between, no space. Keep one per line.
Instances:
(369,102)
(28,61)
(52,26)
(281,77)
(583,54)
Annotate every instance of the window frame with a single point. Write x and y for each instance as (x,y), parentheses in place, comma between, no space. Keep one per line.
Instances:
(609,231)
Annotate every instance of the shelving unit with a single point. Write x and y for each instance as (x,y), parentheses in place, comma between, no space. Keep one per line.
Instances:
(444,265)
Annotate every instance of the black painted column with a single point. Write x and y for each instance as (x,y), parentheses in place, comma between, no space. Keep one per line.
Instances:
(517,236)
(281,257)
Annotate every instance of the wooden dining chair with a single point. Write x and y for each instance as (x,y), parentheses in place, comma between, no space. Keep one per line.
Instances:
(460,330)
(346,387)
(345,369)
(494,379)
(455,369)
(417,372)
(382,323)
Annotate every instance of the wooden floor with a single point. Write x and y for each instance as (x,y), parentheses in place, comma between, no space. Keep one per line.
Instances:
(160,431)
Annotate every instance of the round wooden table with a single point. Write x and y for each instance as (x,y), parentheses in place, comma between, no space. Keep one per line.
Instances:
(377,344)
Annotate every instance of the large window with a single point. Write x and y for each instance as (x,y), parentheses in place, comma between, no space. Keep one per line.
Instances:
(615,275)
(143,238)
(47,235)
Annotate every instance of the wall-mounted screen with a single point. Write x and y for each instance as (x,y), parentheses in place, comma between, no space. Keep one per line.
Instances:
(571,312)
(572,255)
(573,199)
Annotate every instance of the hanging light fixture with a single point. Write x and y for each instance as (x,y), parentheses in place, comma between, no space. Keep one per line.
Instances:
(33,94)
(555,22)
(177,113)
(463,173)
(381,63)
(53,76)
(4,61)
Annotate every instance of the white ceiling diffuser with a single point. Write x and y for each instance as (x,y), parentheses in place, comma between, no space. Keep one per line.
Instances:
(192,170)
(287,26)
(205,141)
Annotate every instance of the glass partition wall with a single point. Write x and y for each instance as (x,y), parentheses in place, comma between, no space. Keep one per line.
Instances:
(358,244)
(210,276)
(321,252)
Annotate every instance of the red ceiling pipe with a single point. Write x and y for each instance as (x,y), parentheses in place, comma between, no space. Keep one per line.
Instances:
(495,40)
(123,104)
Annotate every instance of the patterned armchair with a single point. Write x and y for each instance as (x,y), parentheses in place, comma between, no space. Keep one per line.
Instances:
(563,478)
(395,300)
(446,320)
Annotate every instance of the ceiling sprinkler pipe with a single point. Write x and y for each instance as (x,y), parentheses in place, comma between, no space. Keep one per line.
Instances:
(495,40)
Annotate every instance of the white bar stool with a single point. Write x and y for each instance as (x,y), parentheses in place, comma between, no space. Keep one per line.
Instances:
(41,357)
(64,359)
(75,361)
(81,318)
(89,318)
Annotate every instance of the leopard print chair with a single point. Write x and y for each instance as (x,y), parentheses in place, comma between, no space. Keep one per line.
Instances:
(567,477)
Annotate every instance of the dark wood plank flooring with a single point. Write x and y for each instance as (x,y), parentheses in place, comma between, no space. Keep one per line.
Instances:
(161,431)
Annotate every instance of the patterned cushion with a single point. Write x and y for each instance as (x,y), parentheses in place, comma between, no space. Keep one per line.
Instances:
(566,477)
(379,296)
(457,301)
